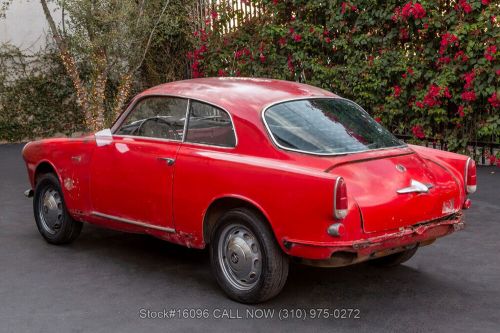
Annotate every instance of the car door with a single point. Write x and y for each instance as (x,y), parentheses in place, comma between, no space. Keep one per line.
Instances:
(132,174)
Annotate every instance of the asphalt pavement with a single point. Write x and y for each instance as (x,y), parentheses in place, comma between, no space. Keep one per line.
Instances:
(107,281)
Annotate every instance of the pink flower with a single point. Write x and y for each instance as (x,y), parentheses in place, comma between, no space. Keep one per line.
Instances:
(460,111)
(214,14)
(291,31)
(444,60)
(460,55)
(282,41)
(469,96)
(275,2)
(297,37)
(262,58)
(221,73)
(431,99)
(410,71)
(291,67)
(419,105)
(469,79)
(418,131)
(397,91)
(466,7)
(344,6)
(410,9)
(328,40)
(403,75)
(446,92)
(404,34)
(396,15)
(494,101)
(485,2)
(447,39)
(498,72)
(378,120)
(490,52)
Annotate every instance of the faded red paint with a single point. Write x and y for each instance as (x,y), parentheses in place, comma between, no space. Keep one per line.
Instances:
(294,191)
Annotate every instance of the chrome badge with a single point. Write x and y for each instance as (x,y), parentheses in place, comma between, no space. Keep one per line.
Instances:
(400,168)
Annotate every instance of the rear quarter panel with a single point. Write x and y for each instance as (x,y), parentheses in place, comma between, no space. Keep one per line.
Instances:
(453,163)
(297,201)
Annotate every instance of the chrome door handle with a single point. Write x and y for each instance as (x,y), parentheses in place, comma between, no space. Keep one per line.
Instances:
(170,161)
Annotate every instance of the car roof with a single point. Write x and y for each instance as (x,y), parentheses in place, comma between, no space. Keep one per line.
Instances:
(231,93)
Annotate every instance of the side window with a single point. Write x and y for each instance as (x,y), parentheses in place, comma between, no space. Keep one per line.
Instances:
(210,125)
(156,117)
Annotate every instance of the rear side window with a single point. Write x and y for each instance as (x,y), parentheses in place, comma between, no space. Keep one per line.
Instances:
(209,125)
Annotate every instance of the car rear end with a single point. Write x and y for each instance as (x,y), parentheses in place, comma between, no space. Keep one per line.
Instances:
(387,197)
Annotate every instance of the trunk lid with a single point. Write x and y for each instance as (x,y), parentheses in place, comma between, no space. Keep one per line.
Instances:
(374,183)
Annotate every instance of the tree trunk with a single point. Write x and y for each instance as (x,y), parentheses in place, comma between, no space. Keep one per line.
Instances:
(70,66)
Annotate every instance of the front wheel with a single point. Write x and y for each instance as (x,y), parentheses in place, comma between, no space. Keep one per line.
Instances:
(51,216)
(246,260)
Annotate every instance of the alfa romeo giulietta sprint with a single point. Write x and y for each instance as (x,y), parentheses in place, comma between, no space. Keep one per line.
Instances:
(259,171)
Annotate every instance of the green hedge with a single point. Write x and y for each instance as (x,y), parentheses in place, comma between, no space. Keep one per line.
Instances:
(36,97)
(426,68)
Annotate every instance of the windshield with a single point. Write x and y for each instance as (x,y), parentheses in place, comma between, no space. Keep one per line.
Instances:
(326,126)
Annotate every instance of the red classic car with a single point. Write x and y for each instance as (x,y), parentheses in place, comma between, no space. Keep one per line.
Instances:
(260,171)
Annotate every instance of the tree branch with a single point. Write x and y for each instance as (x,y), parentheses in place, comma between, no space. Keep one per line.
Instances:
(150,39)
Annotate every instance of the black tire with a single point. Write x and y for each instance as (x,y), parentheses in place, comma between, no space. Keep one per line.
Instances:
(272,262)
(65,229)
(395,259)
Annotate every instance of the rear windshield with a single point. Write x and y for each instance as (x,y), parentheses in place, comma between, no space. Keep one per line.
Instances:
(326,126)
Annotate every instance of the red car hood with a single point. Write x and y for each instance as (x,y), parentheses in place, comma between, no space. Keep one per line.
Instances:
(374,184)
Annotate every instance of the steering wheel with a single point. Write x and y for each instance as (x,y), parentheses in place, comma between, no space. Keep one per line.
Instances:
(151,127)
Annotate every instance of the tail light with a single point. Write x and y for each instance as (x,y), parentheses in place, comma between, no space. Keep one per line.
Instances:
(340,199)
(470,176)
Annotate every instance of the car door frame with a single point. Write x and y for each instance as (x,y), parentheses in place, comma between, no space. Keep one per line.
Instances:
(119,121)
(115,127)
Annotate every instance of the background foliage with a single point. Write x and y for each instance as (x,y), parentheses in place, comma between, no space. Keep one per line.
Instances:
(426,68)
(36,96)
(105,50)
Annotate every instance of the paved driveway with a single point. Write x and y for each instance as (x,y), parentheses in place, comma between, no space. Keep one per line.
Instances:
(107,280)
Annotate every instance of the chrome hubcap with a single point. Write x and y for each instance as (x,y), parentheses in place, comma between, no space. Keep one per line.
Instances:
(240,257)
(50,210)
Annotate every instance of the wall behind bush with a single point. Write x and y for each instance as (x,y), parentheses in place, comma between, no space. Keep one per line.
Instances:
(36,97)
(428,69)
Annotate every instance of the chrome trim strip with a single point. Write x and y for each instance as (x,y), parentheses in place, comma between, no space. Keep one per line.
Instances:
(415,187)
(335,196)
(186,123)
(141,224)
(466,173)
(308,152)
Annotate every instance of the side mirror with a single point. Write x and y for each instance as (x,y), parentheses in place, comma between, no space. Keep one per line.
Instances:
(103,137)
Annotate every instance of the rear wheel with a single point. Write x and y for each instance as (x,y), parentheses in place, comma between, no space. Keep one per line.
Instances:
(52,218)
(395,259)
(246,260)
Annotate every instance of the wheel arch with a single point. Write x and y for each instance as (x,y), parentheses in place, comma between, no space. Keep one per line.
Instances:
(222,204)
(44,167)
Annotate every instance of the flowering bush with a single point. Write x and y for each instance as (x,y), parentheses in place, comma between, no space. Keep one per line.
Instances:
(425,68)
